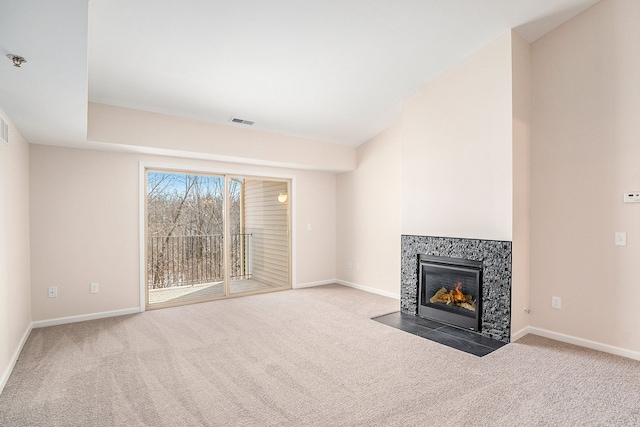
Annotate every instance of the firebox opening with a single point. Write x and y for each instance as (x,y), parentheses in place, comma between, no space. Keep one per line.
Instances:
(450,291)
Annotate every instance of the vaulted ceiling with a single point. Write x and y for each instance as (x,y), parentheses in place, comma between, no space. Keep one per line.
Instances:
(334,71)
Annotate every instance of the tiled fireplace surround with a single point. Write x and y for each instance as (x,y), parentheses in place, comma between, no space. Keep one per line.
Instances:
(496,288)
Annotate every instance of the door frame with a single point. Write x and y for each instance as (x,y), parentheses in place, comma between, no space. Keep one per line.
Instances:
(187,168)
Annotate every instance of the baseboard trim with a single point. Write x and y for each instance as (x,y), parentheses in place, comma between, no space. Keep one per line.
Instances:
(12,363)
(313,284)
(521,333)
(606,348)
(368,289)
(84,317)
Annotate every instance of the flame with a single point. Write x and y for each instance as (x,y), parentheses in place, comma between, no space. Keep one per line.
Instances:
(456,294)
(454,297)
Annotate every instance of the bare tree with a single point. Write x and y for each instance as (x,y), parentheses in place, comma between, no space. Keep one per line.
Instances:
(185,225)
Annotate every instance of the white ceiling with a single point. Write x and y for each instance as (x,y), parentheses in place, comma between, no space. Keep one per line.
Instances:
(330,70)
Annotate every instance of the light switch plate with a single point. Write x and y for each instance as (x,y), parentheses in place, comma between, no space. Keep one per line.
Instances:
(621,238)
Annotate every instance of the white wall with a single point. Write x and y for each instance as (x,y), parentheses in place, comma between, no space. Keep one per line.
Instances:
(316,248)
(84,227)
(144,131)
(15,304)
(585,149)
(369,216)
(457,150)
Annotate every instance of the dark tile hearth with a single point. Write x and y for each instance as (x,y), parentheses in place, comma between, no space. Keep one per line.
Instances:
(462,340)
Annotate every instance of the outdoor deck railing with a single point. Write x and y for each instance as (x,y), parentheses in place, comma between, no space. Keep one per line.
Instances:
(191,260)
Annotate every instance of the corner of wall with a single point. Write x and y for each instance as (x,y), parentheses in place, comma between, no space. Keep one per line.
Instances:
(15,286)
(368,216)
(8,369)
(521,175)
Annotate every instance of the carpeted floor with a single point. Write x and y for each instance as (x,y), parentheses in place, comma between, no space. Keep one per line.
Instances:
(307,357)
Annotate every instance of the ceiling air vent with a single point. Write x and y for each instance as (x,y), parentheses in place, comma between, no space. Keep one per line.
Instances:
(4,130)
(241,121)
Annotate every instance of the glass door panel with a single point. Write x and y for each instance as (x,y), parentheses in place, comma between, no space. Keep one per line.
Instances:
(264,236)
(185,229)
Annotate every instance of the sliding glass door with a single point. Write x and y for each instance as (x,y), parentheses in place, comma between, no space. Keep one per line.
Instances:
(212,236)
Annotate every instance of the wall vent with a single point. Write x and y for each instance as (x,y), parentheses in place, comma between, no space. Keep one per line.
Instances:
(4,130)
(241,121)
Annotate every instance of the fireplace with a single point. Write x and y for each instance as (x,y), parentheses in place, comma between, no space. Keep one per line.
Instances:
(450,290)
(495,292)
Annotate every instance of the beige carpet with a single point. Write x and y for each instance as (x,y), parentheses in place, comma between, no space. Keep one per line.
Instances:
(309,357)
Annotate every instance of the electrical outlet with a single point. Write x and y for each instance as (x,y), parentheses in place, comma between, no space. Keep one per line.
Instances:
(349,265)
(556,302)
(94,288)
(53,292)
